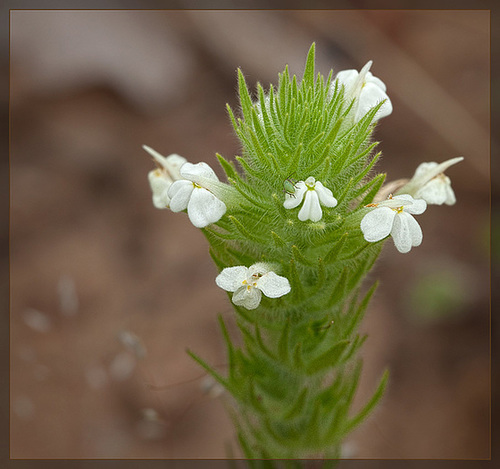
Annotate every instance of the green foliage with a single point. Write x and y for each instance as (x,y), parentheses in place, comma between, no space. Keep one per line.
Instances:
(295,373)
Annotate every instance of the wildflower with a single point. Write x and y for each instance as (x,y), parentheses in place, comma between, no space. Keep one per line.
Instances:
(394,217)
(161,178)
(192,193)
(366,89)
(248,284)
(430,184)
(314,194)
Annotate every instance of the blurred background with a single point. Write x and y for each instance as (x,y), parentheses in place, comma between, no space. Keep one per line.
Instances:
(107,292)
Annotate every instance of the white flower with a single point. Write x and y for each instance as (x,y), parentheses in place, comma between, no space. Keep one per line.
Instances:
(394,217)
(366,89)
(161,178)
(193,193)
(430,184)
(248,284)
(314,194)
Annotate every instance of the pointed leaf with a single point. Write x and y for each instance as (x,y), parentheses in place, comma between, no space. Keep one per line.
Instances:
(308,77)
(328,359)
(354,422)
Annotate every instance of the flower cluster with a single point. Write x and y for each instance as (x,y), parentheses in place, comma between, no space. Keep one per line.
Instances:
(195,188)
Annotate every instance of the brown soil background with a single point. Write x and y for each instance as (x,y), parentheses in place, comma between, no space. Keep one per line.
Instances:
(89,88)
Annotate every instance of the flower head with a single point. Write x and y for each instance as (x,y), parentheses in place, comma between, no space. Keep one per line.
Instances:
(314,194)
(161,178)
(191,193)
(248,284)
(366,89)
(394,217)
(430,184)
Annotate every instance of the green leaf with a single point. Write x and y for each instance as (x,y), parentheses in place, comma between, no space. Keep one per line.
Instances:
(298,256)
(333,253)
(263,346)
(320,281)
(226,166)
(278,241)
(367,169)
(308,77)
(246,191)
(368,408)
(295,281)
(233,119)
(245,233)
(373,187)
(245,100)
(283,343)
(298,406)
(328,359)
(220,265)
(294,160)
(229,344)
(338,292)
(297,356)
(248,169)
(215,237)
(210,370)
(355,319)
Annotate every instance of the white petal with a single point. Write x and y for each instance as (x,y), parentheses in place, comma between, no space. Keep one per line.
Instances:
(347,77)
(427,171)
(325,195)
(161,199)
(259,268)
(158,180)
(370,96)
(193,172)
(406,232)
(403,200)
(311,210)
(174,164)
(180,194)
(423,171)
(273,286)
(204,208)
(231,278)
(364,73)
(417,207)
(377,224)
(157,156)
(292,201)
(370,78)
(248,297)
(434,192)
(450,196)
